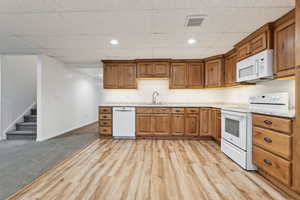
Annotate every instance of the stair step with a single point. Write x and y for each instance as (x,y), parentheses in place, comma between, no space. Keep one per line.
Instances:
(30,118)
(21,135)
(33,111)
(26,126)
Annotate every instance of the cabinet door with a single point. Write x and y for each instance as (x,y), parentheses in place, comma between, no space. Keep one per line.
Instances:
(195,75)
(144,70)
(161,69)
(178,76)
(215,124)
(192,125)
(127,76)
(214,73)
(285,49)
(111,76)
(258,44)
(230,70)
(143,125)
(243,51)
(177,124)
(205,125)
(161,124)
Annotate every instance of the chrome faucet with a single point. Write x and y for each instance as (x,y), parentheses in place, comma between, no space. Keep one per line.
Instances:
(155,95)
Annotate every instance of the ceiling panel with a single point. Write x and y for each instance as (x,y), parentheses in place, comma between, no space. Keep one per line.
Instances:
(79,31)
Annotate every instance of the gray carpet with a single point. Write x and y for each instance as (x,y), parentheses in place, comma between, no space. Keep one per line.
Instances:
(23,161)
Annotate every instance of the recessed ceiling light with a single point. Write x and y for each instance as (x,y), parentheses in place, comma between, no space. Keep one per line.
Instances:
(114,42)
(191,41)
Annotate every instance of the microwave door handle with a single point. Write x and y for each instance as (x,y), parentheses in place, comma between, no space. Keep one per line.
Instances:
(256,67)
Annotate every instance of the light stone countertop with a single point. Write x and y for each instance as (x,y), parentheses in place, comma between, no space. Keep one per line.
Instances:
(231,107)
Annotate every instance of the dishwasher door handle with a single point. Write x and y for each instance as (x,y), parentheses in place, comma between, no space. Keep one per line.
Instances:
(124,110)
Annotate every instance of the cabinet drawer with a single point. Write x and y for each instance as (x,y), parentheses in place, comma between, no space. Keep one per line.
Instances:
(277,143)
(161,110)
(273,165)
(105,130)
(105,110)
(143,110)
(192,110)
(178,110)
(105,116)
(275,123)
(105,123)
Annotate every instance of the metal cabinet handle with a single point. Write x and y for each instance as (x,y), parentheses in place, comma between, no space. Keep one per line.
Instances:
(267,162)
(177,110)
(268,140)
(269,122)
(104,117)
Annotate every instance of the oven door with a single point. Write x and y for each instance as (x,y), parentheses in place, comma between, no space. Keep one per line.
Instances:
(234,128)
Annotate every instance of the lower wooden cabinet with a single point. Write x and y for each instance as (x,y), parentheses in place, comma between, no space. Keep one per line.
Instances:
(105,121)
(205,122)
(161,124)
(143,125)
(177,124)
(216,124)
(192,125)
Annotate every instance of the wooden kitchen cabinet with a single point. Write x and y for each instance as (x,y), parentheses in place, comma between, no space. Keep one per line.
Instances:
(230,69)
(127,76)
(284,46)
(110,76)
(177,124)
(105,121)
(161,124)
(187,75)
(214,72)
(143,125)
(195,75)
(192,124)
(216,124)
(205,122)
(178,76)
(119,75)
(256,42)
(153,68)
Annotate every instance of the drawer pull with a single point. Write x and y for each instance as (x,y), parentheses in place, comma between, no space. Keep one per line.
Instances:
(192,110)
(104,123)
(104,117)
(268,140)
(268,122)
(268,162)
(177,110)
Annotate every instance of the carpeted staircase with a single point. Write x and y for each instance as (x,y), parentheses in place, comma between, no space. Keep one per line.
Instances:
(25,130)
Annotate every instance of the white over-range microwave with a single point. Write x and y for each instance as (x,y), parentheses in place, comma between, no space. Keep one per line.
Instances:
(255,68)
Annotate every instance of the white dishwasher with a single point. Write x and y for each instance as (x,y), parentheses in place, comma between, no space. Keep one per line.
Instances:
(124,122)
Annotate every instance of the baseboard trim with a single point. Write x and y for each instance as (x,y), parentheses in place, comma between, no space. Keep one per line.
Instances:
(67,131)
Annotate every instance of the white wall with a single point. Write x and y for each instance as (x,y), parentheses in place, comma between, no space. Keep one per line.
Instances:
(67,99)
(229,95)
(18,88)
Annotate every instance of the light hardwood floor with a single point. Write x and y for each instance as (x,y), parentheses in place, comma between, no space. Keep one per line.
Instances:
(149,169)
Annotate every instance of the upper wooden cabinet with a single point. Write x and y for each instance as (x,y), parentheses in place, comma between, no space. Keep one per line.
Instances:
(284,46)
(230,68)
(121,75)
(214,72)
(256,42)
(195,75)
(187,75)
(153,68)
(178,76)
(110,76)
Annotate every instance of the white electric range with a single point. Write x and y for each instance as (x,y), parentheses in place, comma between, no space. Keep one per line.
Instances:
(236,140)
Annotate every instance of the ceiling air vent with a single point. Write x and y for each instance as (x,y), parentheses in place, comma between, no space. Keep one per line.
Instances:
(194,20)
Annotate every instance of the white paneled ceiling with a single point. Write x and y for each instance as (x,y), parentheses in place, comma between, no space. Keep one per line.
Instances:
(78,31)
